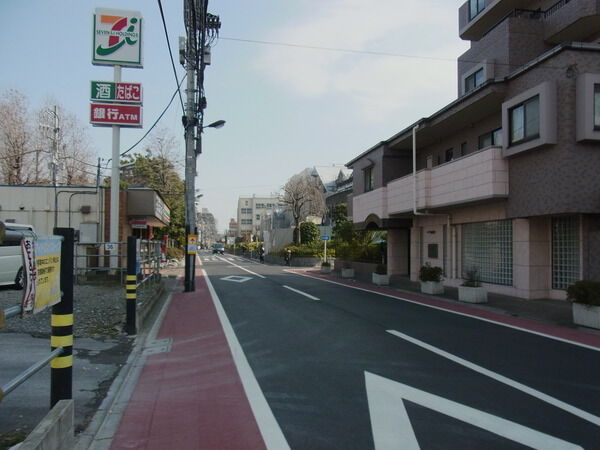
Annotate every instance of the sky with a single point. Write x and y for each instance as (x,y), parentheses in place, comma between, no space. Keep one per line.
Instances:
(300,83)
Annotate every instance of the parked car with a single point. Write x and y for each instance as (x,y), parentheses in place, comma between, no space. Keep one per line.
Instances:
(218,249)
(11,255)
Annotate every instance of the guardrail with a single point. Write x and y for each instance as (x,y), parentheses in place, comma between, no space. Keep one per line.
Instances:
(60,357)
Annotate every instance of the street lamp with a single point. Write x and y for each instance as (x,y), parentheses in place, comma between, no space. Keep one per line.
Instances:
(216,124)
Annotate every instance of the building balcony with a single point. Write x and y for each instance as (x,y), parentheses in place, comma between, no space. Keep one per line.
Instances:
(476,177)
(570,20)
(473,29)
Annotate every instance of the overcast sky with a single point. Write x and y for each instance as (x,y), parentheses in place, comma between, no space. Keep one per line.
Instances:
(299,82)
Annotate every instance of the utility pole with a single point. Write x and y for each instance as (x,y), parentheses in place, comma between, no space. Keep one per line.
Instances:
(201,28)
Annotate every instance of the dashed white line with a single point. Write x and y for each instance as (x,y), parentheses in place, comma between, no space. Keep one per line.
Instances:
(242,268)
(301,293)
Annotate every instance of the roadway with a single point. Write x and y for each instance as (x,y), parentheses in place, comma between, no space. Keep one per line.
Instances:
(343,367)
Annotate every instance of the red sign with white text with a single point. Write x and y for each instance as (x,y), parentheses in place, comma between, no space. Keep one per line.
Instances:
(114,114)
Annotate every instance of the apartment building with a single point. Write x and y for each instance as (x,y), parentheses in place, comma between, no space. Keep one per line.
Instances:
(504,178)
(251,212)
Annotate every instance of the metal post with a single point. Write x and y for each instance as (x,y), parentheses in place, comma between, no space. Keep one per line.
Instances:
(114,185)
(131,286)
(54,163)
(61,373)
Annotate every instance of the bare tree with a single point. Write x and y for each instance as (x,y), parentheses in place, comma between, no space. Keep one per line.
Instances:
(14,138)
(74,151)
(303,197)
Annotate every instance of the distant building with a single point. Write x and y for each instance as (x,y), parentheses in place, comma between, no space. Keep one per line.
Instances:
(251,213)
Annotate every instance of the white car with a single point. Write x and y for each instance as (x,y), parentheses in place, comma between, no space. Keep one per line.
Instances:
(11,255)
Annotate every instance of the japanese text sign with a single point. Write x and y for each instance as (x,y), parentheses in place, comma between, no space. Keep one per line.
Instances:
(116,114)
(108,91)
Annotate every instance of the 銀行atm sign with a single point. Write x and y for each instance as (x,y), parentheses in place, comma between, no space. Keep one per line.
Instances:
(109,91)
(115,114)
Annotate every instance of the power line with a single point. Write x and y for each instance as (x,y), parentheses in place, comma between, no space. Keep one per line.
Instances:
(373,53)
(162,15)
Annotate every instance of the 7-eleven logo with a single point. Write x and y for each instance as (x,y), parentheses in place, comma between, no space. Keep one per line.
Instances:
(117,37)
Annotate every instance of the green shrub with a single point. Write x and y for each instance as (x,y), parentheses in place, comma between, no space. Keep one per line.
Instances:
(584,291)
(381,269)
(472,278)
(309,233)
(430,273)
(325,264)
(174,253)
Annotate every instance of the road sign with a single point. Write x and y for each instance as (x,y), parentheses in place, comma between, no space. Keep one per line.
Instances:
(324,238)
(192,244)
(109,91)
(124,115)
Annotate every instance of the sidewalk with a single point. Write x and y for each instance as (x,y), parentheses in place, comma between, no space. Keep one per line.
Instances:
(187,393)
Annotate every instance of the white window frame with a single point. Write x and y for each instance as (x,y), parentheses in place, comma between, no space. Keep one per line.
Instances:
(586,128)
(547,119)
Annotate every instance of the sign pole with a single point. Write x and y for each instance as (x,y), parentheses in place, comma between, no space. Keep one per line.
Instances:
(114,185)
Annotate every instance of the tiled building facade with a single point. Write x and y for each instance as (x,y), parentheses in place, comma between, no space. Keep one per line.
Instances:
(506,177)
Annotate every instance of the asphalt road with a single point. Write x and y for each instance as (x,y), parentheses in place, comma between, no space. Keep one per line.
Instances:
(352,369)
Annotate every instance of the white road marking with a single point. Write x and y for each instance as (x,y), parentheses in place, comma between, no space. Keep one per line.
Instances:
(392,428)
(439,308)
(300,292)
(236,278)
(269,428)
(502,379)
(242,268)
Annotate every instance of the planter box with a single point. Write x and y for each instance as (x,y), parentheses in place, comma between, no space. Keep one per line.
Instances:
(380,280)
(586,315)
(432,287)
(347,273)
(325,269)
(471,294)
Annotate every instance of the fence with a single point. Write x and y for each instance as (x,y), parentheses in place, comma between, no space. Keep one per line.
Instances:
(61,340)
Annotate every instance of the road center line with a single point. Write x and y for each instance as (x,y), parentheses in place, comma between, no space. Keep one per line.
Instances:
(301,293)
(502,379)
(240,267)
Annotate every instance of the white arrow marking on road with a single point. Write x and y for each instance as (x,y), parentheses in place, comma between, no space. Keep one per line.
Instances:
(502,379)
(236,278)
(301,293)
(392,428)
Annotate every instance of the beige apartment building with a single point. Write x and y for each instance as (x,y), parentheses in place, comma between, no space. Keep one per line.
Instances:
(251,213)
(506,177)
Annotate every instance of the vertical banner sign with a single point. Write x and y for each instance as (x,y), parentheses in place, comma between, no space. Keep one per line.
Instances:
(42,273)
(192,247)
(117,38)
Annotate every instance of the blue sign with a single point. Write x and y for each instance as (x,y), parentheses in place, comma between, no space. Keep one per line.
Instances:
(324,238)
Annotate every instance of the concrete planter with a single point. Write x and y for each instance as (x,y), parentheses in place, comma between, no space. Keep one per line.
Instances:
(586,315)
(348,273)
(432,287)
(381,279)
(470,294)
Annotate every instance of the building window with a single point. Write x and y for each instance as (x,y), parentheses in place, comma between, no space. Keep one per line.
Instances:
(246,221)
(369,179)
(565,251)
(524,121)
(463,149)
(246,210)
(449,155)
(474,80)
(258,217)
(487,246)
(491,138)
(597,106)
(475,7)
